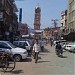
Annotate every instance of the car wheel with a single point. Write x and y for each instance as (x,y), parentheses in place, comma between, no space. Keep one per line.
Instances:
(17,57)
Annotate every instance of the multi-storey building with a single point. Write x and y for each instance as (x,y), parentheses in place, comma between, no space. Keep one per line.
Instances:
(71,15)
(24,29)
(52,33)
(63,22)
(71,19)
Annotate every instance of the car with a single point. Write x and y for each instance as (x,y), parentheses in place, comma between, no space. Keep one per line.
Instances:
(70,46)
(64,45)
(18,53)
(62,42)
(23,44)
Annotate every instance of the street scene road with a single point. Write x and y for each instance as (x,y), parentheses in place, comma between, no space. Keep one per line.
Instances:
(48,64)
(29,26)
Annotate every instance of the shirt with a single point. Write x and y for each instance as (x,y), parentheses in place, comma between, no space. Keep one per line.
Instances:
(42,43)
(36,47)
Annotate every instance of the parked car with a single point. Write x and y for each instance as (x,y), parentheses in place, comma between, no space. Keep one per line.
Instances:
(70,47)
(18,53)
(64,45)
(62,42)
(23,44)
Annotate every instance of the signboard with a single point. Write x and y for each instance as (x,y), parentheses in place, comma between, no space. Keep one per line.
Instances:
(20,15)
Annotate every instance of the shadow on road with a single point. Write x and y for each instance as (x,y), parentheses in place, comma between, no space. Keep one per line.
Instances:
(17,72)
(63,56)
(42,54)
(42,61)
(46,50)
(27,60)
(29,55)
(39,58)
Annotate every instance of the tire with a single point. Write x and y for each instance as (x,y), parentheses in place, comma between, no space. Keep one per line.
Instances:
(17,58)
(57,52)
(9,65)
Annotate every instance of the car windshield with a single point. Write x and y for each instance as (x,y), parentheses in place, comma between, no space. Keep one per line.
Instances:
(11,45)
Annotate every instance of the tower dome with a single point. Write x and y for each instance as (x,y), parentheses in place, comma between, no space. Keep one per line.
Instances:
(37,9)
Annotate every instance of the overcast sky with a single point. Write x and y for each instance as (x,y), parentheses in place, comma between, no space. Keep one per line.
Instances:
(50,9)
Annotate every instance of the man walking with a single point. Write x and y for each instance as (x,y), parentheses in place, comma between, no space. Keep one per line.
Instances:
(36,49)
(42,45)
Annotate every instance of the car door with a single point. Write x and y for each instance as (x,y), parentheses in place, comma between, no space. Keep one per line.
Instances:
(16,43)
(26,45)
(22,45)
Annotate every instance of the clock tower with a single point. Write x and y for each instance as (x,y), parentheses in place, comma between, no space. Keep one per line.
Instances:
(37,18)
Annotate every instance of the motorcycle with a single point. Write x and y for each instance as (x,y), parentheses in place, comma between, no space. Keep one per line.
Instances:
(59,52)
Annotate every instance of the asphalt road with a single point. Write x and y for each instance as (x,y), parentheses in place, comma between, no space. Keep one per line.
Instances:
(48,64)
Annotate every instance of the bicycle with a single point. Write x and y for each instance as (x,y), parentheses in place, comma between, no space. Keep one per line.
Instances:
(7,62)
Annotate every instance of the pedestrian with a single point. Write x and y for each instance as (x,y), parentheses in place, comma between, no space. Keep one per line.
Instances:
(42,45)
(51,43)
(36,49)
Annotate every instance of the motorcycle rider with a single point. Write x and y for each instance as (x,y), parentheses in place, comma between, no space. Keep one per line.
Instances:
(58,49)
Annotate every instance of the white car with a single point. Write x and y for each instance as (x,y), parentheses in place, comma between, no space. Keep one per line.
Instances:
(23,44)
(70,47)
(18,53)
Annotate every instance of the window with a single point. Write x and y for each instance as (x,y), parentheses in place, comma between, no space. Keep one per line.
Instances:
(16,43)
(4,45)
(26,44)
(21,44)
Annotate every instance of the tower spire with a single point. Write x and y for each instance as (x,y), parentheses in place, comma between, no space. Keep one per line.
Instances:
(38,4)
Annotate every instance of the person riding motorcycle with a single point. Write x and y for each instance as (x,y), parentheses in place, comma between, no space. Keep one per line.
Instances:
(58,49)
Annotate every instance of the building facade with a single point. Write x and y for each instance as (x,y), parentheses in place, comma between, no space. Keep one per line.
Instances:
(24,29)
(63,22)
(52,33)
(71,15)
(71,20)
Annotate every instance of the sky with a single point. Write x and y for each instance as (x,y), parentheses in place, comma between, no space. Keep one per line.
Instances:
(50,9)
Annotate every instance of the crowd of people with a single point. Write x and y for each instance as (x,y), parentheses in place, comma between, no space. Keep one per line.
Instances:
(38,46)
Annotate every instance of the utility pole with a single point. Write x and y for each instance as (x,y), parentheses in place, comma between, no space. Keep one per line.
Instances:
(55,32)
(55,22)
